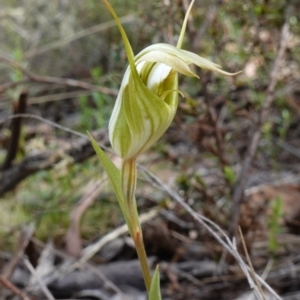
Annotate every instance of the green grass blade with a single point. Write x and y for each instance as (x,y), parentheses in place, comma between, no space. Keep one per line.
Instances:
(154,293)
(114,175)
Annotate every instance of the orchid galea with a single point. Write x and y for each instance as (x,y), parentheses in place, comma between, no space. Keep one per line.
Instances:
(148,96)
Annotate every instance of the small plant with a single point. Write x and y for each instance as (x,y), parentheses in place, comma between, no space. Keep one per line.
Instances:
(274,226)
(229,175)
(144,109)
(284,123)
(94,111)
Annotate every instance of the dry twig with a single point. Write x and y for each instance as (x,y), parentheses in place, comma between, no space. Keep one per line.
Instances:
(54,80)
(15,126)
(4,282)
(252,272)
(38,279)
(72,237)
(69,260)
(79,150)
(92,249)
(25,238)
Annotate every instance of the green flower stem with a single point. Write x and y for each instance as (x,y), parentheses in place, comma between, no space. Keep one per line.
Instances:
(129,178)
(141,252)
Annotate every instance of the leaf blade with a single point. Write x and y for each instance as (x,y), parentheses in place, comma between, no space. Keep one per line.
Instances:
(114,175)
(154,293)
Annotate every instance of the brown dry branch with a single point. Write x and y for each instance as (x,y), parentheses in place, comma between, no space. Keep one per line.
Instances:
(79,150)
(4,282)
(264,113)
(59,96)
(53,97)
(42,285)
(26,235)
(88,252)
(41,119)
(62,271)
(106,280)
(251,265)
(92,249)
(11,84)
(54,80)
(15,128)
(72,237)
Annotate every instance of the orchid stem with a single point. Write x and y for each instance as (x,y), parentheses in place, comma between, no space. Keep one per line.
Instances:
(141,252)
(129,178)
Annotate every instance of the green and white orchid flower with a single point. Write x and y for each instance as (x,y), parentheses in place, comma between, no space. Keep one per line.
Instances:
(148,96)
(144,109)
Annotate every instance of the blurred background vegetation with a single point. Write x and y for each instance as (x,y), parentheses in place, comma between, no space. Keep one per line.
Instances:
(78,39)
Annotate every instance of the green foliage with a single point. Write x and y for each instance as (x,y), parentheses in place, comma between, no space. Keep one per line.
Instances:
(274,226)
(183,182)
(94,110)
(115,179)
(17,55)
(154,293)
(284,123)
(267,130)
(229,175)
(49,206)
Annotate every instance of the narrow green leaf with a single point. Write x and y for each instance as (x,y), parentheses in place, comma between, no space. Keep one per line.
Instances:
(114,175)
(154,293)
(112,171)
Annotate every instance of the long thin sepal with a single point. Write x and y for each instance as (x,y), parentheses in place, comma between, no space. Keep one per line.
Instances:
(183,28)
(127,45)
